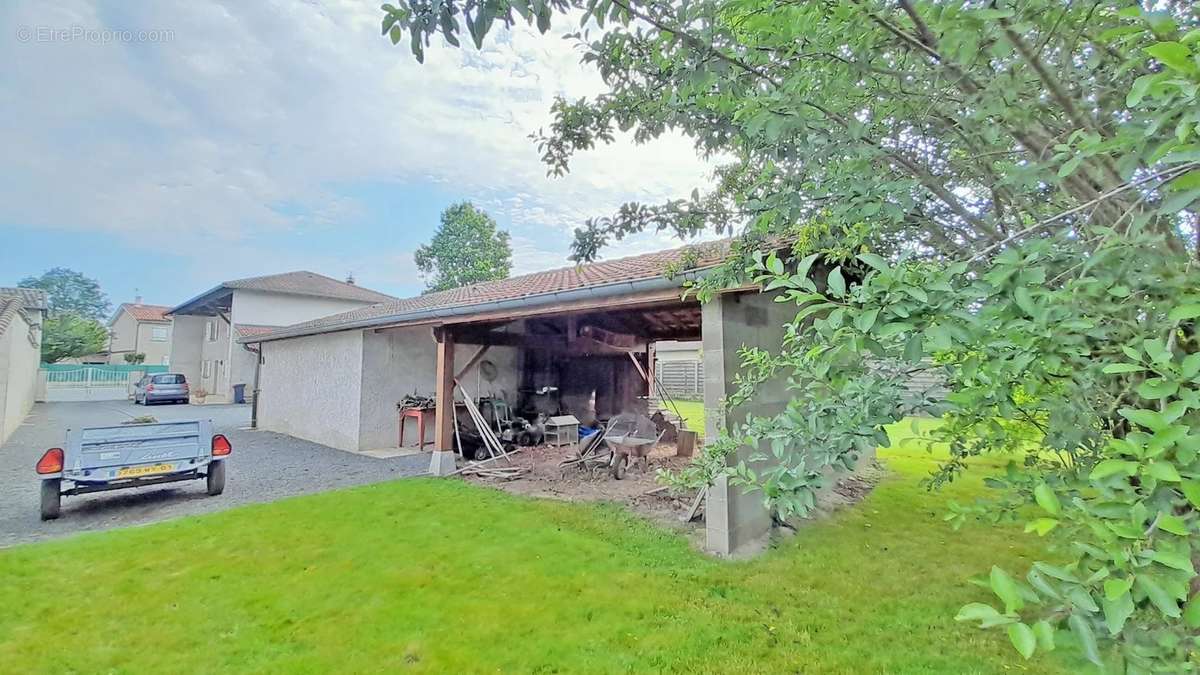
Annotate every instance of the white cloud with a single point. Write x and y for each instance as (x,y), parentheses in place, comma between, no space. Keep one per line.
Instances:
(251,105)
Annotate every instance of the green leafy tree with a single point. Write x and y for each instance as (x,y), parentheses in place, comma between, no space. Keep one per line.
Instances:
(1002,193)
(76,306)
(466,249)
(71,293)
(69,336)
(135,358)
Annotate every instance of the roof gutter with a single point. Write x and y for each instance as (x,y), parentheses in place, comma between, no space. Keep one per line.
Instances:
(575,294)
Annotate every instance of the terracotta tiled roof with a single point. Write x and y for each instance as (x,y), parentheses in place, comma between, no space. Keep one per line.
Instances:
(9,306)
(591,275)
(31,298)
(251,329)
(12,306)
(145,312)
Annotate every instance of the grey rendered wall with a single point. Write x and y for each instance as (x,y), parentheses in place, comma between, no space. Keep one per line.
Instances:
(404,361)
(283,309)
(18,375)
(217,352)
(311,388)
(123,338)
(508,372)
(241,367)
(735,519)
(395,363)
(156,351)
(187,336)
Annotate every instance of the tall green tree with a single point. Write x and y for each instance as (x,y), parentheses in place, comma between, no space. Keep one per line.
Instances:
(66,336)
(466,249)
(77,307)
(1003,193)
(71,293)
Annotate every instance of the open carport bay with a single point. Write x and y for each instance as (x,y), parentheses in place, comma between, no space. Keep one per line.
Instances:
(265,466)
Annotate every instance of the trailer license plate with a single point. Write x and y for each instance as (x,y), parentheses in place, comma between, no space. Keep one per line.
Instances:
(138,471)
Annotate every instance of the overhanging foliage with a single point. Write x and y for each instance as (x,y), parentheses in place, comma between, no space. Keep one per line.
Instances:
(1001,192)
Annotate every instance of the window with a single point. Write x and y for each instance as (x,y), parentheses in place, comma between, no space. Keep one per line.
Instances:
(210,331)
(173,378)
(206,369)
(158,334)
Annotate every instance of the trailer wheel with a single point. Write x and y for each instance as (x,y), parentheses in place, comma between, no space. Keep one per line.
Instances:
(216,477)
(51,498)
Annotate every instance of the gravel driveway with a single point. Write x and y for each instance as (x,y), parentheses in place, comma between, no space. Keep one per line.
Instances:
(264,467)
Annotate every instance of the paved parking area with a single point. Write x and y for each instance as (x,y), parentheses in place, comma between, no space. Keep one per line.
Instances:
(264,467)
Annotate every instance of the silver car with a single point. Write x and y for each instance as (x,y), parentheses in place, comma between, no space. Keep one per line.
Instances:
(161,387)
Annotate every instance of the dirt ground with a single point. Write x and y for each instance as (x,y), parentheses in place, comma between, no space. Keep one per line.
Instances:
(546,478)
(639,490)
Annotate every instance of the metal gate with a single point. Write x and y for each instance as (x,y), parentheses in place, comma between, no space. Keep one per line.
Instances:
(88,383)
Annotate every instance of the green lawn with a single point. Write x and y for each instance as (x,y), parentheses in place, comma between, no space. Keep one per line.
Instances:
(692,412)
(439,576)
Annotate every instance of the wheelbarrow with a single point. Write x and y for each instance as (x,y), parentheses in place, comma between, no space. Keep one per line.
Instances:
(630,435)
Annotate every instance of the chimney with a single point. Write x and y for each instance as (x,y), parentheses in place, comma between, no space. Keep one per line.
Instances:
(350,278)
(137,299)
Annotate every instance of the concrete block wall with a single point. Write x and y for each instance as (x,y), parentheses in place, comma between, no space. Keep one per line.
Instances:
(735,519)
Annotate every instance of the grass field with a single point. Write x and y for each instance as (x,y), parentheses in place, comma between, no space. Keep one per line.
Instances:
(440,576)
(693,414)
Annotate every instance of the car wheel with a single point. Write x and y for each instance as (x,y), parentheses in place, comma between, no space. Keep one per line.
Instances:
(51,498)
(216,477)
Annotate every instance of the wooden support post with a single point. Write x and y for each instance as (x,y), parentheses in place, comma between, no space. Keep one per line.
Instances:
(637,364)
(444,435)
(652,368)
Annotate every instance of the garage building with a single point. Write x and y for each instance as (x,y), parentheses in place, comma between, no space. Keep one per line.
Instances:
(577,339)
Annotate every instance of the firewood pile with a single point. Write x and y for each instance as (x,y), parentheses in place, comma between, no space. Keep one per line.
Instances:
(416,402)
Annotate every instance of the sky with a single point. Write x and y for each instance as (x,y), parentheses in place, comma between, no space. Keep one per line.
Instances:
(163,147)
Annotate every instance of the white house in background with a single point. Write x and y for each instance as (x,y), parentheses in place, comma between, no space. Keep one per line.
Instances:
(206,328)
(136,328)
(22,311)
(679,366)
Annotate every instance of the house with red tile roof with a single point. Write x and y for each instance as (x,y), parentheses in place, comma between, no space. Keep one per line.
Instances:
(138,328)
